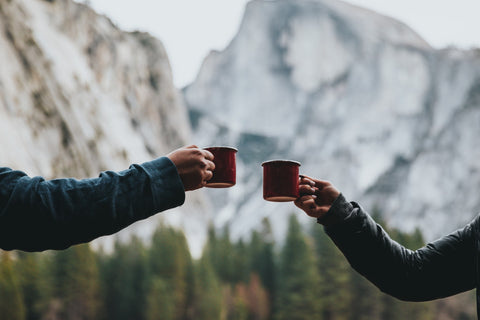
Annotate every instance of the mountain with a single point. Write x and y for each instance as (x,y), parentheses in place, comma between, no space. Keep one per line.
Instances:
(78,96)
(358,98)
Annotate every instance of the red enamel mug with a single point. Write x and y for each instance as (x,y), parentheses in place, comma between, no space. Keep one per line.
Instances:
(224,174)
(280,180)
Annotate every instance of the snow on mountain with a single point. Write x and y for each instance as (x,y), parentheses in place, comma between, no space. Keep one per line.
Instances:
(358,98)
(78,96)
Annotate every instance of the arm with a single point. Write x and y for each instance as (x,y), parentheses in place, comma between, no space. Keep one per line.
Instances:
(441,268)
(38,214)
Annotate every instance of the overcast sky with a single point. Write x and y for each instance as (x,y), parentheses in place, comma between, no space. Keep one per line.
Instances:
(189,29)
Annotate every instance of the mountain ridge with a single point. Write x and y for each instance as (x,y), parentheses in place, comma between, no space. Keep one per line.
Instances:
(358,98)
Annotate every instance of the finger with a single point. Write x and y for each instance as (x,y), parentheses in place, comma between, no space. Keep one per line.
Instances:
(299,201)
(205,164)
(305,177)
(320,184)
(210,165)
(307,197)
(309,203)
(208,155)
(316,182)
(208,175)
(305,189)
(305,201)
(310,208)
(306,180)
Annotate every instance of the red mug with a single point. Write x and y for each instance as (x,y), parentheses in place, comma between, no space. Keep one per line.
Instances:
(224,174)
(280,180)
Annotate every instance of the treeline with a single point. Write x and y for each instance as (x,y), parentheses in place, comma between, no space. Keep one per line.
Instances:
(306,277)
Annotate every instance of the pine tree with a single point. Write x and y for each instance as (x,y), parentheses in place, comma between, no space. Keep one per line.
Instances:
(208,293)
(241,262)
(267,270)
(221,253)
(240,304)
(76,280)
(11,300)
(125,278)
(226,252)
(257,299)
(334,272)
(299,281)
(160,301)
(170,260)
(262,259)
(29,269)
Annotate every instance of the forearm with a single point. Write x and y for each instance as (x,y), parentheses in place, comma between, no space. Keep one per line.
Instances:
(36,214)
(440,269)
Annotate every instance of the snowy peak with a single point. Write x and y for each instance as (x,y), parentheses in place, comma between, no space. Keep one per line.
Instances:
(359,98)
(307,43)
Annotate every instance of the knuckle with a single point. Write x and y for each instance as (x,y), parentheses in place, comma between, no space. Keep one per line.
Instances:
(196,152)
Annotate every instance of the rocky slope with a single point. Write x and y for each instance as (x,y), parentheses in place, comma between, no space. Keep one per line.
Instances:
(358,98)
(78,96)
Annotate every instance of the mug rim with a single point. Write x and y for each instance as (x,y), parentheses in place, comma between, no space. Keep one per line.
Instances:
(222,147)
(281,161)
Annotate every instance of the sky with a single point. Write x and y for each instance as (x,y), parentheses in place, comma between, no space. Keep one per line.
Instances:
(190,29)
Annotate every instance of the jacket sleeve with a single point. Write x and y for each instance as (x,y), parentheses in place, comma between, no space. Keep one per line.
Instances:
(38,214)
(442,268)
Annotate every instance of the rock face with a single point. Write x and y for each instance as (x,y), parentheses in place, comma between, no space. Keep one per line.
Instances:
(78,96)
(358,98)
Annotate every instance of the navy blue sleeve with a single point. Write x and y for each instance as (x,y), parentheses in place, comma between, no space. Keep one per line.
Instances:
(38,214)
(441,268)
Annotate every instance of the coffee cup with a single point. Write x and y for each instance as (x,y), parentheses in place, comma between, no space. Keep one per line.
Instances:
(280,180)
(224,174)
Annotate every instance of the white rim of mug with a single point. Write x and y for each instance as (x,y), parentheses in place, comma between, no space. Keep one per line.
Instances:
(281,161)
(222,147)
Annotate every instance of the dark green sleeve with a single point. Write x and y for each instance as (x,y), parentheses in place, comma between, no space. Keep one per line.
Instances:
(38,214)
(442,268)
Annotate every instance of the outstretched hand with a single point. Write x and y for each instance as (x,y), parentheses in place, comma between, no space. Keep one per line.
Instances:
(194,165)
(316,197)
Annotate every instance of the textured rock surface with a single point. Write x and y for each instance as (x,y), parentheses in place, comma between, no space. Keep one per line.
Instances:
(78,95)
(360,99)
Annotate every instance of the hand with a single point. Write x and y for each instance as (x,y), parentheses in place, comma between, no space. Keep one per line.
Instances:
(194,166)
(316,197)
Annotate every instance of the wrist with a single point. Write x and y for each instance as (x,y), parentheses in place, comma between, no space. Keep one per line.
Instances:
(338,212)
